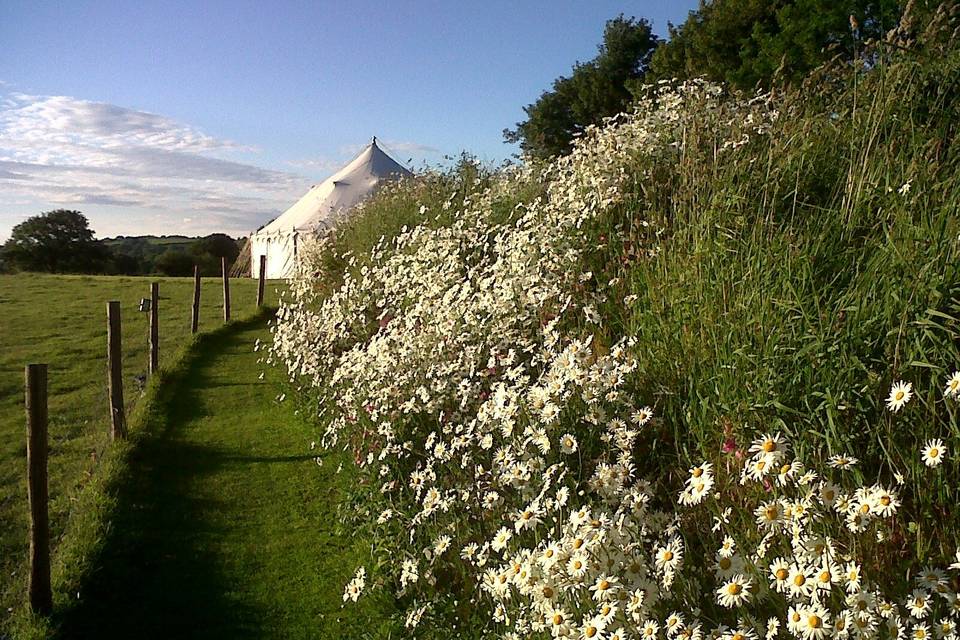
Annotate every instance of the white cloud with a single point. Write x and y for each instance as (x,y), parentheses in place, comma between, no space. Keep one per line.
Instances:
(62,151)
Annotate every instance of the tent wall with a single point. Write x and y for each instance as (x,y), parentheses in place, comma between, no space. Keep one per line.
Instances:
(281,252)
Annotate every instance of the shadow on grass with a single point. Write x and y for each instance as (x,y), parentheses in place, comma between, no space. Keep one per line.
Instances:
(158,573)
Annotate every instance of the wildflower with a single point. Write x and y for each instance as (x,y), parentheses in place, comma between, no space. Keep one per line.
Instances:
(593,628)
(642,416)
(900,394)
(842,462)
(933,453)
(355,587)
(568,444)
(918,603)
(953,386)
(735,591)
(605,588)
(501,539)
(669,556)
(814,623)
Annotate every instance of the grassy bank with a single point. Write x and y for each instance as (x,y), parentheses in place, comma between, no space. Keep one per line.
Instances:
(715,294)
(61,320)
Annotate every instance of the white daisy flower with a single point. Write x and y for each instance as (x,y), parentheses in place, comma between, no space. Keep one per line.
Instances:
(900,394)
(933,453)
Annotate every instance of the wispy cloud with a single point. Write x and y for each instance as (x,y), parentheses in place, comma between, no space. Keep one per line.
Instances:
(62,151)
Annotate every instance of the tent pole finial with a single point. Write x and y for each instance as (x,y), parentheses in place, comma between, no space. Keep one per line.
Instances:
(374,140)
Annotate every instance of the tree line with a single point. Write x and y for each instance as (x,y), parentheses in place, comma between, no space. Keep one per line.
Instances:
(747,44)
(61,241)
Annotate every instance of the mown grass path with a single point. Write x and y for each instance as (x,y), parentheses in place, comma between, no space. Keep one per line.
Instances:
(226,527)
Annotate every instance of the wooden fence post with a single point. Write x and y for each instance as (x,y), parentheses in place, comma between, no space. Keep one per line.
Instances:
(154,363)
(263,275)
(118,421)
(226,289)
(195,317)
(41,597)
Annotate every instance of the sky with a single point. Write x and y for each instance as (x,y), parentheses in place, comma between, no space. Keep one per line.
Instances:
(200,117)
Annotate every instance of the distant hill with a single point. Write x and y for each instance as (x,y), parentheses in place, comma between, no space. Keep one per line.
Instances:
(171,255)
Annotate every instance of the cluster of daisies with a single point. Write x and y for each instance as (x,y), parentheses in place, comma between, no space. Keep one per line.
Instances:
(464,366)
(934,452)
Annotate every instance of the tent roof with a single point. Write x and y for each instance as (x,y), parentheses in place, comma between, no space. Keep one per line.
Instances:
(323,203)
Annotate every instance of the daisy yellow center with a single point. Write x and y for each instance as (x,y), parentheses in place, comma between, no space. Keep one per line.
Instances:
(799,580)
(864,509)
(548,553)
(667,556)
(814,622)
(502,577)
(697,472)
(547,592)
(782,574)
(577,565)
(738,636)
(785,468)
(772,512)
(578,543)
(557,619)
(595,524)
(604,585)
(934,452)
(605,610)
(898,396)
(734,589)
(725,563)
(590,632)
(885,501)
(769,446)
(527,515)
(795,617)
(761,465)
(824,576)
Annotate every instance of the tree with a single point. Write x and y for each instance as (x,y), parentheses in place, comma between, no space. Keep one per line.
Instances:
(747,42)
(595,90)
(174,262)
(55,241)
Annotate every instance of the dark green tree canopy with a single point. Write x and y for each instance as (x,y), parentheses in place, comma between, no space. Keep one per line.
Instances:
(747,42)
(595,90)
(58,241)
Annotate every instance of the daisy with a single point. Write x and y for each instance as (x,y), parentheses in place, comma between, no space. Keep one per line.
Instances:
(844,463)
(605,588)
(934,452)
(953,386)
(779,574)
(668,557)
(814,623)
(735,591)
(900,394)
(593,628)
(642,416)
(800,583)
(568,444)
(919,603)
(851,574)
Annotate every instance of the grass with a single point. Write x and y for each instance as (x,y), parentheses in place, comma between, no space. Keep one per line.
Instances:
(223,525)
(61,320)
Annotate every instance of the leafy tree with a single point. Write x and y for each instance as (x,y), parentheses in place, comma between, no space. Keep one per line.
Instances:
(56,241)
(747,42)
(174,262)
(595,90)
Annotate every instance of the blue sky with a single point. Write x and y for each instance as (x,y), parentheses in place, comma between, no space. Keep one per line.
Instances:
(176,117)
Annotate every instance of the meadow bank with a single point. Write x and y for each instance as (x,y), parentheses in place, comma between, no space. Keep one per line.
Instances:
(699,377)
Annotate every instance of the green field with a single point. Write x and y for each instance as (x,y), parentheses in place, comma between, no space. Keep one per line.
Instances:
(61,320)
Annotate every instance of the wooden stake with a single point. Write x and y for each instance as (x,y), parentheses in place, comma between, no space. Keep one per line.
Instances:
(195,318)
(154,363)
(41,597)
(263,275)
(118,421)
(226,289)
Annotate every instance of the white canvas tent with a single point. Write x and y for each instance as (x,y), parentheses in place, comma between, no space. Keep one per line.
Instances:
(320,208)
